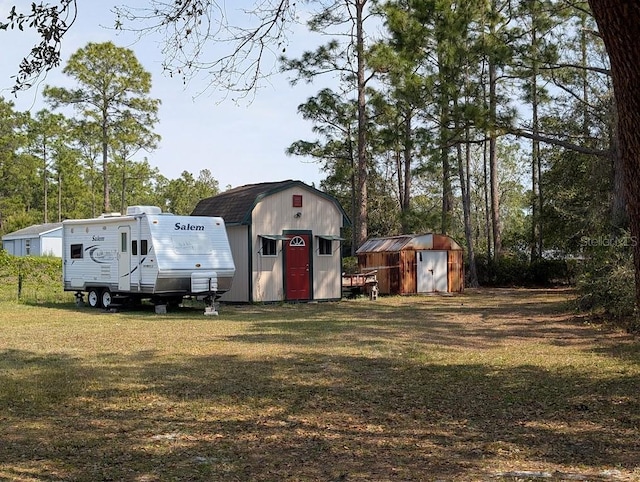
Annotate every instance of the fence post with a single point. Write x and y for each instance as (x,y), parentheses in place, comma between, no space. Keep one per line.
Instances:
(20,280)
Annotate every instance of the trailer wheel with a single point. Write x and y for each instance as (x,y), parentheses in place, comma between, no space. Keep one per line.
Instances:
(105,298)
(93,297)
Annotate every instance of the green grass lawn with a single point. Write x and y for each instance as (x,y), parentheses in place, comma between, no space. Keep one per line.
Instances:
(489,385)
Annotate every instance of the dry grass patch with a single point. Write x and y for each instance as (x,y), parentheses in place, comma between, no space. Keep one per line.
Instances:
(489,385)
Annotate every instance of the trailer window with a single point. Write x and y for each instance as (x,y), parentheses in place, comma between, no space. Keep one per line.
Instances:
(76,251)
(143,247)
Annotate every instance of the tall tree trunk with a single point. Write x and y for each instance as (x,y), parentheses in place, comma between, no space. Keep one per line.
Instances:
(619,217)
(619,25)
(466,210)
(536,185)
(354,205)
(536,251)
(487,205)
(493,140)
(493,164)
(536,188)
(485,181)
(124,187)
(59,196)
(407,154)
(362,171)
(445,117)
(44,180)
(447,191)
(105,168)
(398,155)
(584,64)
(94,201)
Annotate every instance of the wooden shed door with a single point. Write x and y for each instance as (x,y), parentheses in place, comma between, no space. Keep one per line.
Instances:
(298,273)
(432,271)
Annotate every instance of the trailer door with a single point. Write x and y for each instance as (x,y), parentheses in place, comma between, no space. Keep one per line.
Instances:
(124,259)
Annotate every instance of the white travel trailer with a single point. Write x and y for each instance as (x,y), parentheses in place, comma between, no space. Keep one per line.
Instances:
(146,254)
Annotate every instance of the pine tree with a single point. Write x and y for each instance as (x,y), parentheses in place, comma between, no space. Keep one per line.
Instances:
(113,89)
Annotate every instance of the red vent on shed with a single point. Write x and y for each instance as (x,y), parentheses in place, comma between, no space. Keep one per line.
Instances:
(297,200)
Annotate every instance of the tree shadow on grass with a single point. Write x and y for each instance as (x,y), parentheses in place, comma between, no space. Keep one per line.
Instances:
(449,322)
(305,417)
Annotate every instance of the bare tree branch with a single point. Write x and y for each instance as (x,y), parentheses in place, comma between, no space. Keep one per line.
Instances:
(554,141)
(231,46)
(234,47)
(598,70)
(51,23)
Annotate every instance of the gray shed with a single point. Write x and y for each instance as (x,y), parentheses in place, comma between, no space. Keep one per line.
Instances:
(285,239)
(37,240)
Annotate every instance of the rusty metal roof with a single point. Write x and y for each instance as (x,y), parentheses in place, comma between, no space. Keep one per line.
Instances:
(409,241)
(380,245)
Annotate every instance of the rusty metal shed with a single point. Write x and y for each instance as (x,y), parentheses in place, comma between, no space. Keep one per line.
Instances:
(412,264)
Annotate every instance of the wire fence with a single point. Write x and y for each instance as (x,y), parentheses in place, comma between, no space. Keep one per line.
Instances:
(31,279)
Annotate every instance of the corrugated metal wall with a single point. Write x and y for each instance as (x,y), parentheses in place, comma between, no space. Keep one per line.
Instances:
(395,260)
(455,272)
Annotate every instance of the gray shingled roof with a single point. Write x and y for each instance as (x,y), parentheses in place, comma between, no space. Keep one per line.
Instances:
(235,205)
(32,231)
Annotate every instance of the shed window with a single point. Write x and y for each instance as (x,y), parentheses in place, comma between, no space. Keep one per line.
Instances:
(76,251)
(324,247)
(297,241)
(269,244)
(27,247)
(269,247)
(325,244)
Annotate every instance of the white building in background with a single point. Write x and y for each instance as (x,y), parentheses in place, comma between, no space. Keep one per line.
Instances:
(36,240)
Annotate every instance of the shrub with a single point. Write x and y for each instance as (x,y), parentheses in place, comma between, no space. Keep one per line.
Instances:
(508,270)
(544,272)
(30,278)
(515,269)
(350,264)
(607,281)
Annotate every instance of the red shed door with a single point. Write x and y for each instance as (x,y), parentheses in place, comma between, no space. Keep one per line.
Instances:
(298,273)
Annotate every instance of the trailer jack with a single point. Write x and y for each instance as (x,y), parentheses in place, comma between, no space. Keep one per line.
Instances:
(210,306)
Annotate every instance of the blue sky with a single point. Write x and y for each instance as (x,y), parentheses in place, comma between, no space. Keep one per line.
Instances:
(239,143)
